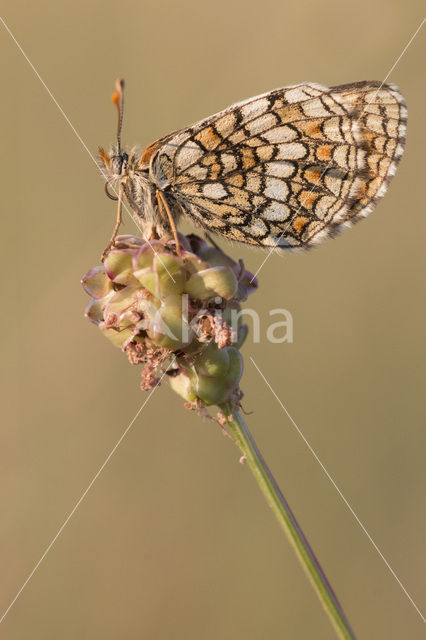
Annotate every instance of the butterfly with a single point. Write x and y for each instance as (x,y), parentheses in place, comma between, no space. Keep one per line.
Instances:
(283,170)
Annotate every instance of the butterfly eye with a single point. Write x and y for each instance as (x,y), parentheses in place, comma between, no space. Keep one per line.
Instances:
(119,162)
(111,197)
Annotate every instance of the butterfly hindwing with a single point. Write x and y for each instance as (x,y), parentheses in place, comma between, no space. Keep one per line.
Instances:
(288,167)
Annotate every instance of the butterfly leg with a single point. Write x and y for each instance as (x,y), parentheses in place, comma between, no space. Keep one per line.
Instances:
(162,202)
(117,223)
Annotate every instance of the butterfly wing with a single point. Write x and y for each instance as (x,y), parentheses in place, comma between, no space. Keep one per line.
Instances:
(289,167)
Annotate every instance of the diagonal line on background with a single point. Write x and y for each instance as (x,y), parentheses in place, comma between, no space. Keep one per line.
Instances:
(51,94)
(81,140)
(403,51)
(330,478)
(83,495)
(273,249)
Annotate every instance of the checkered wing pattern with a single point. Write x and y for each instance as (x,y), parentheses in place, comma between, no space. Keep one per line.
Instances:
(287,168)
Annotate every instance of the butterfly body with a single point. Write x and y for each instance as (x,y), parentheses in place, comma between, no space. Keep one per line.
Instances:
(281,170)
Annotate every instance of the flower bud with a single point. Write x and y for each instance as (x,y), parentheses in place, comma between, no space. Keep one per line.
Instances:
(217,389)
(209,283)
(118,266)
(167,328)
(96,283)
(212,379)
(174,311)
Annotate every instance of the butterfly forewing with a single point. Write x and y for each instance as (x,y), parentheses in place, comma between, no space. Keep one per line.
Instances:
(288,167)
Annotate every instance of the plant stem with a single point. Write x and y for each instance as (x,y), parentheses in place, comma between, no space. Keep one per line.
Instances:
(288,522)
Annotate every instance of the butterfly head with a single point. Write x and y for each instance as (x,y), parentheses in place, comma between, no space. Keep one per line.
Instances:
(114,164)
(119,162)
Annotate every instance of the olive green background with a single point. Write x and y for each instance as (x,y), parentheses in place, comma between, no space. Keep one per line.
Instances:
(174,540)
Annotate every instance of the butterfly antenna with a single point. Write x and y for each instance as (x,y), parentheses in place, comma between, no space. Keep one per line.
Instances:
(118,99)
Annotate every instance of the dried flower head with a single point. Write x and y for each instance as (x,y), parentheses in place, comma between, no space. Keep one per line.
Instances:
(179,314)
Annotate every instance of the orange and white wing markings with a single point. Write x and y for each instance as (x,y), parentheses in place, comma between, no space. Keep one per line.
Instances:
(288,167)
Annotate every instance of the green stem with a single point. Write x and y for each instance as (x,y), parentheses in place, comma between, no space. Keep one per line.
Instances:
(288,522)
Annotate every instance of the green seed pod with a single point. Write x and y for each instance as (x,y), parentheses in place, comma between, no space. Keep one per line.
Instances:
(144,256)
(166,326)
(193,382)
(215,257)
(209,283)
(182,385)
(147,278)
(160,308)
(171,275)
(118,338)
(193,263)
(96,283)
(212,361)
(118,266)
(121,301)
(215,390)
(95,309)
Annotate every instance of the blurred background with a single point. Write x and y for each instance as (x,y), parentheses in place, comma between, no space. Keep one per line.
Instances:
(174,540)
